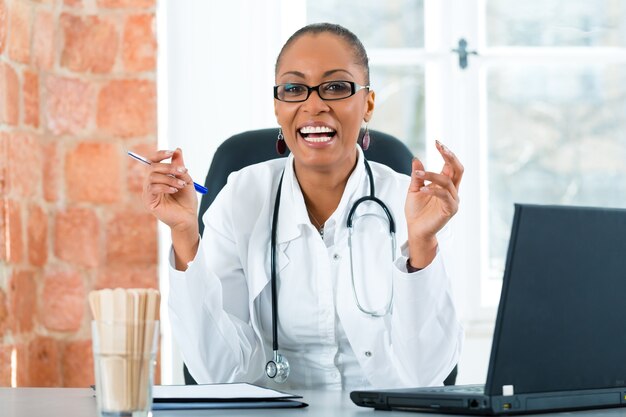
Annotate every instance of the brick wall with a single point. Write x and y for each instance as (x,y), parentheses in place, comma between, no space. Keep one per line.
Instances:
(77,88)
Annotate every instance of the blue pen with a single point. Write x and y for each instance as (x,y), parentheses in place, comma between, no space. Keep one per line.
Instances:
(198,187)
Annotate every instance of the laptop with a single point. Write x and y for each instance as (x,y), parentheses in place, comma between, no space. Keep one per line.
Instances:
(560,336)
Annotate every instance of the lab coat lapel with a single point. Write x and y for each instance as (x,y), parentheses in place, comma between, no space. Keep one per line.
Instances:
(292,214)
(289,220)
(259,264)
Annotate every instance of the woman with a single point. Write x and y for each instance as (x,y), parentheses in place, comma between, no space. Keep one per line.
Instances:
(220,295)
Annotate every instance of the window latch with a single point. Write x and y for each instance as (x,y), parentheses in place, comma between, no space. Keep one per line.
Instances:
(463,53)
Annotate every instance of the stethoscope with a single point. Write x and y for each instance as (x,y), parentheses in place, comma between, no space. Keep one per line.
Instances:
(278,368)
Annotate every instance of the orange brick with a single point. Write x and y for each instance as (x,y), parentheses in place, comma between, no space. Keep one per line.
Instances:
(24,165)
(30,96)
(5,365)
(21,364)
(37,235)
(51,171)
(19,22)
(92,172)
(62,301)
(14,231)
(4,316)
(131,239)
(117,4)
(43,40)
(43,363)
(90,43)
(128,277)
(4,24)
(3,193)
(127,108)
(3,246)
(4,143)
(9,95)
(22,300)
(139,43)
(77,364)
(76,237)
(68,104)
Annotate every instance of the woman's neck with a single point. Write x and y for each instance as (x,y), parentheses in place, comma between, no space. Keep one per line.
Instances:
(322,190)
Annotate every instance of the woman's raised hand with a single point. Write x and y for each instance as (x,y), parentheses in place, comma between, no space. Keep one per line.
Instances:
(168,191)
(430,206)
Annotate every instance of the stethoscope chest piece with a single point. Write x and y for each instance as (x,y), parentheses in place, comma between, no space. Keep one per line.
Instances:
(278,368)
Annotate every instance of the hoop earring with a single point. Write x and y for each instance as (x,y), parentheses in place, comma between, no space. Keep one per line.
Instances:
(281,146)
(364,141)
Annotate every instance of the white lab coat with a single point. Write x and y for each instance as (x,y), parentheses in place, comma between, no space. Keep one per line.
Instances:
(214,305)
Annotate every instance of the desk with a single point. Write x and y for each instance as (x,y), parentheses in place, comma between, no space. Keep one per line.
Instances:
(79,402)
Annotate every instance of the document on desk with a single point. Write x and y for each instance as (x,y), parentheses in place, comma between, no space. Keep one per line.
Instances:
(235,395)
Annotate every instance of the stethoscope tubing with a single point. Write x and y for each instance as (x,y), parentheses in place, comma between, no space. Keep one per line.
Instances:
(278,368)
(273,266)
(372,313)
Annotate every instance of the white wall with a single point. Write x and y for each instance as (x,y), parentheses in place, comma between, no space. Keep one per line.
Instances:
(208,50)
(215,48)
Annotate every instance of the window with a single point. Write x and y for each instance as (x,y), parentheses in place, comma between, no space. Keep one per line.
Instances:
(538,116)
(555,109)
(388,29)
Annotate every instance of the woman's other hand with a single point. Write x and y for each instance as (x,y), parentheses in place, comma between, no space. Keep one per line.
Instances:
(430,206)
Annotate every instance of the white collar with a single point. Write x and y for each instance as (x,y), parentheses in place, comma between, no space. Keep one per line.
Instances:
(293,216)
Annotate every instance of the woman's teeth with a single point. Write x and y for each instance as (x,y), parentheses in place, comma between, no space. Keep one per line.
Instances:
(316,129)
(317,134)
(318,139)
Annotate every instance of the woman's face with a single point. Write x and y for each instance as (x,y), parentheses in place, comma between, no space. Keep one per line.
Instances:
(311,60)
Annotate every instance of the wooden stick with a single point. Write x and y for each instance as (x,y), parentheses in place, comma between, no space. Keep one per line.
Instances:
(125,327)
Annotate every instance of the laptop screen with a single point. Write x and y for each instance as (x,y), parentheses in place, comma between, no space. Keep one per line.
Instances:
(562,316)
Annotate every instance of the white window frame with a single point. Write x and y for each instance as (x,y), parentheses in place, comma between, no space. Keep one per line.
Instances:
(451,117)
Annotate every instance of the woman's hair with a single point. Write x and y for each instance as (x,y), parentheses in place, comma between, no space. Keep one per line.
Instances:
(334,29)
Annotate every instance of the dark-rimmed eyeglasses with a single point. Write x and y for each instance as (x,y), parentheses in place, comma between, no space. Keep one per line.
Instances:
(330,90)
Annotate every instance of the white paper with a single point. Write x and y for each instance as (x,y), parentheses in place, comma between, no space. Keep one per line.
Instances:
(215,392)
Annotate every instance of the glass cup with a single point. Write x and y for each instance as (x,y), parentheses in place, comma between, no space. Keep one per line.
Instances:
(124,356)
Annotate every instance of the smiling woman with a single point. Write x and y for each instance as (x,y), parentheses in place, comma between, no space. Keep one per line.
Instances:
(319,59)
(225,294)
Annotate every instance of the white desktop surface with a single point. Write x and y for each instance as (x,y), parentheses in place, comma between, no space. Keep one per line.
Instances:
(80,402)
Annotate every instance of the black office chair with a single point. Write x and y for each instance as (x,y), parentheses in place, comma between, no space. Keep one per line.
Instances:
(256,146)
